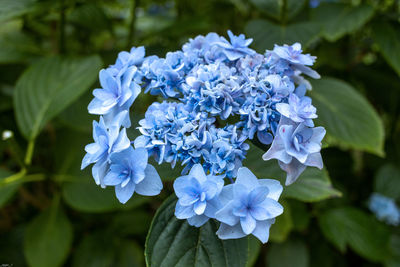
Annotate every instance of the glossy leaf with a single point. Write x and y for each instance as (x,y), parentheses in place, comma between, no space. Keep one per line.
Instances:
(173,242)
(48,238)
(313,185)
(348,226)
(266,34)
(339,19)
(349,119)
(48,87)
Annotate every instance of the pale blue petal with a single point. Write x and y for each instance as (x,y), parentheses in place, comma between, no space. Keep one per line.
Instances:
(230,232)
(246,178)
(274,186)
(248,224)
(272,207)
(197,220)
(225,215)
(262,230)
(126,192)
(180,185)
(151,184)
(197,171)
(293,170)
(199,207)
(184,212)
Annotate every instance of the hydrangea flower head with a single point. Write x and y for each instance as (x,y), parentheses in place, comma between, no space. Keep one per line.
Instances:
(296,146)
(129,173)
(219,94)
(250,206)
(385,209)
(197,196)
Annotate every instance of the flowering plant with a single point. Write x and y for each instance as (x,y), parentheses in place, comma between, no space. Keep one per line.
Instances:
(219,94)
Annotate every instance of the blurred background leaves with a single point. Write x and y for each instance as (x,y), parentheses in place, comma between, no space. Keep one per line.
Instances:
(53,214)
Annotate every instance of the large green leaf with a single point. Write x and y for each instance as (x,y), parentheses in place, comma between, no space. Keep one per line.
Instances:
(348,117)
(312,185)
(288,254)
(387,181)
(339,19)
(13,8)
(86,196)
(388,40)
(266,34)
(48,238)
(17,47)
(173,242)
(350,226)
(48,87)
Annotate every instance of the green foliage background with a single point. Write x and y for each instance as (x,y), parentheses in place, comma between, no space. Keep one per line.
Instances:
(53,214)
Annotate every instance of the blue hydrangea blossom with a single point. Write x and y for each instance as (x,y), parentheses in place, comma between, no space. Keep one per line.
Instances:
(219,94)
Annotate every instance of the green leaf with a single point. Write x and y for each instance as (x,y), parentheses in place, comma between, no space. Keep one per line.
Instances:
(17,47)
(173,242)
(135,222)
(312,185)
(272,8)
(266,34)
(348,117)
(48,238)
(48,87)
(14,8)
(86,196)
(254,250)
(280,230)
(339,19)
(6,192)
(388,40)
(300,215)
(387,181)
(103,249)
(293,7)
(288,254)
(351,227)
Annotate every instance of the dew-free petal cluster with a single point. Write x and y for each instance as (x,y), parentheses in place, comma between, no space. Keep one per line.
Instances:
(217,95)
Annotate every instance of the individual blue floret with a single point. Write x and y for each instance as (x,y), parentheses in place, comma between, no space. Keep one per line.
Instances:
(250,206)
(385,209)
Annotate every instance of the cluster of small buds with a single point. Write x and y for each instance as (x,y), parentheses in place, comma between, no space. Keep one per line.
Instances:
(219,94)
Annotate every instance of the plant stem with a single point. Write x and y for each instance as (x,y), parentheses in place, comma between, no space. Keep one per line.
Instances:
(29,152)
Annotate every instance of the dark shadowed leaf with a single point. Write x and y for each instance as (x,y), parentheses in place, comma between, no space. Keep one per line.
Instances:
(288,254)
(14,8)
(173,242)
(266,34)
(6,192)
(388,39)
(387,181)
(339,19)
(349,119)
(48,238)
(348,226)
